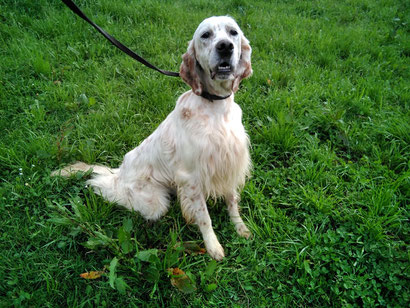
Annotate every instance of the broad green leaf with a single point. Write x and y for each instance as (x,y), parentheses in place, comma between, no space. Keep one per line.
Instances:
(190,275)
(128,225)
(172,258)
(94,243)
(147,255)
(151,273)
(307,267)
(103,237)
(113,268)
(120,285)
(210,269)
(91,101)
(75,231)
(210,287)
(123,235)
(124,239)
(127,247)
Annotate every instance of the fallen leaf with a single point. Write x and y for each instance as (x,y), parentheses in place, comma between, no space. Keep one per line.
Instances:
(192,248)
(181,281)
(92,275)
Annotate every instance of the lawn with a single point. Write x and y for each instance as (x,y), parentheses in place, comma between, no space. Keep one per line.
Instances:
(327,112)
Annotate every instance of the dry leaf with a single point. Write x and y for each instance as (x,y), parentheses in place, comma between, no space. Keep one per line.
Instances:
(192,248)
(92,275)
(181,281)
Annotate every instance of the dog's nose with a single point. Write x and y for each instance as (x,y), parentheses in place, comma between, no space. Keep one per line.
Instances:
(224,48)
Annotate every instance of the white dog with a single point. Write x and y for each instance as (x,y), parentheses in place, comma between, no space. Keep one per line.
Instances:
(201,149)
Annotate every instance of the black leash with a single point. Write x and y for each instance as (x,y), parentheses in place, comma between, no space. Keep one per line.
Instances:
(75,9)
(116,43)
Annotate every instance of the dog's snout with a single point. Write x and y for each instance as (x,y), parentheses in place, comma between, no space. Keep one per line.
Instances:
(224,48)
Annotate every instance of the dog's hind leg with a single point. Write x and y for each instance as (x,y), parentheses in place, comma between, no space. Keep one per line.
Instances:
(151,200)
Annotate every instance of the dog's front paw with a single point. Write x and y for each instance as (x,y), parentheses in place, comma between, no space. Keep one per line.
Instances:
(215,250)
(243,231)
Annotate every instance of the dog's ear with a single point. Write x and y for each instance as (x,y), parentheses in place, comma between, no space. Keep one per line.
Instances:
(188,71)
(245,67)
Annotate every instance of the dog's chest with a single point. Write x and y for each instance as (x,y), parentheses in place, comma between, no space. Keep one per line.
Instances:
(226,137)
(217,148)
(219,132)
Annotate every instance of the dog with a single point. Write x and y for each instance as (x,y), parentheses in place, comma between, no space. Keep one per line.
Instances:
(201,150)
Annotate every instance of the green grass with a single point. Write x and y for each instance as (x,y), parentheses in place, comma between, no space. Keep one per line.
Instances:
(327,112)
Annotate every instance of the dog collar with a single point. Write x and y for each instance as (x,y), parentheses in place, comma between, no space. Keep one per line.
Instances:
(205,94)
(212,97)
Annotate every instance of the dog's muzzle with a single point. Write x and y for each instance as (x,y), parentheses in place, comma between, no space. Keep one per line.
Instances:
(224,68)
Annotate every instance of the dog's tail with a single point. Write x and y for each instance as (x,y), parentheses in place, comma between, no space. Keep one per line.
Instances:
(83,167)
(104,180)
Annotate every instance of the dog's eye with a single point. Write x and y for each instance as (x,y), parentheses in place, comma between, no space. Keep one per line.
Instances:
(205,35)
(233,32)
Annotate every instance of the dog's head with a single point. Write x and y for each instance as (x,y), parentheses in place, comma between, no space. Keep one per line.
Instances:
(218,57)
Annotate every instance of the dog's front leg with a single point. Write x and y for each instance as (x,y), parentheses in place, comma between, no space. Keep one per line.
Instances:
(233,210)
(194,209)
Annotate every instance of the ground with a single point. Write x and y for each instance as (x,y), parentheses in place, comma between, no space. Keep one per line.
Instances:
(327,112)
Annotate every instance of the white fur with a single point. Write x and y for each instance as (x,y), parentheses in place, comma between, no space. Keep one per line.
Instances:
(200,150)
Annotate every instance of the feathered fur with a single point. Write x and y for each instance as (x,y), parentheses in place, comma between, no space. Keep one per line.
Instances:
(200,150)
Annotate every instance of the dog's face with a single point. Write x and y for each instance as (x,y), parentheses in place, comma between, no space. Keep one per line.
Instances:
(218,57)
(217,43)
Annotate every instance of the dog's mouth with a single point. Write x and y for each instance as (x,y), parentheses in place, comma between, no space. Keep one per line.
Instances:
(222,71)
